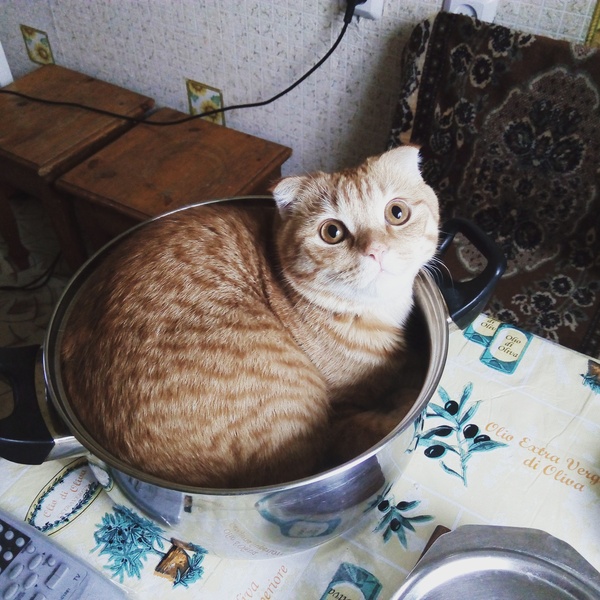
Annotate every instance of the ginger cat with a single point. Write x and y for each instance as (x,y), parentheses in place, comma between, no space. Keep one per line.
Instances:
(223,345)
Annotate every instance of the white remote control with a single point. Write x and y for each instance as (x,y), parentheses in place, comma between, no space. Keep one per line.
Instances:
(34,567)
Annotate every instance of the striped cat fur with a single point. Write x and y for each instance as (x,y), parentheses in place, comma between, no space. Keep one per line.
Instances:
(230,346)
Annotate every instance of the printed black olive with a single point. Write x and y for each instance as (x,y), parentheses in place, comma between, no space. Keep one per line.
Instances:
(435,451)
(394,524)
(470,431)
(402,505)
(443,430)
(482,438)
(383,506)
(451,407)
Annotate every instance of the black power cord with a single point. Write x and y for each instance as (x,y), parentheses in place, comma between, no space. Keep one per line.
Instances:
(41,280)
(349,13)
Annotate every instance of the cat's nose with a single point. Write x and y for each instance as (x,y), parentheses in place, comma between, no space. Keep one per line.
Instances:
(376,251)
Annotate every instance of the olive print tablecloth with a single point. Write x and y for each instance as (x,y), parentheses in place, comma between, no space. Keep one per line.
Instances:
(512,437)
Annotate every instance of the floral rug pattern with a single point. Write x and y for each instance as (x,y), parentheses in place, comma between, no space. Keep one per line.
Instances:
(510,136)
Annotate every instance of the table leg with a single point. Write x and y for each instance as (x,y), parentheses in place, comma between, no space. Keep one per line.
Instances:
(18,255)
(62,217)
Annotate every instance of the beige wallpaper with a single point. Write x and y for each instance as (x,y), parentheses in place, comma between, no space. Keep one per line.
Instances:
(252,49)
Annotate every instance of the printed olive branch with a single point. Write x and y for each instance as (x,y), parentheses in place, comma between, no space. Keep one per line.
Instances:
(194,572)
(468,438)
(393,521)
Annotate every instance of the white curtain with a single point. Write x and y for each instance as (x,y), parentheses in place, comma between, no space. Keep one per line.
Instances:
(5,74)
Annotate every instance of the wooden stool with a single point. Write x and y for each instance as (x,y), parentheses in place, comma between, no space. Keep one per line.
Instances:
(151,170)
(39,142)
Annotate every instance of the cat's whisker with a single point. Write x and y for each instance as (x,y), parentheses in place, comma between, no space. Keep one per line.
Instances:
(437,265)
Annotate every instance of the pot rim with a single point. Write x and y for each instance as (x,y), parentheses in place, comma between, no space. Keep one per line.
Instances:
(428,298)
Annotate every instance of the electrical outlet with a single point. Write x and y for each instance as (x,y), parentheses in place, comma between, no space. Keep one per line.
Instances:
(484,10)
(371,9)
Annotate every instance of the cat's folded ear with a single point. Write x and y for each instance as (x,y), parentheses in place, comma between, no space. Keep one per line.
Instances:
(406,157)
(407,151)
(286,190)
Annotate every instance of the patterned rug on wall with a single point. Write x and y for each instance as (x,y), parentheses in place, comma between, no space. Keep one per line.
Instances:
(509,126)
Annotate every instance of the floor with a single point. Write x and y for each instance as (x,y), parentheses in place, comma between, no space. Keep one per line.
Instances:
(28,297)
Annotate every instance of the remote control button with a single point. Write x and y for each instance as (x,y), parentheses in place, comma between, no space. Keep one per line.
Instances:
(30,549)
(11,591)
(15,571)
(35,562)
(54,579)
(9,535)
(51,561)
(39,596)
(30,581)
(19,542)
(8,556)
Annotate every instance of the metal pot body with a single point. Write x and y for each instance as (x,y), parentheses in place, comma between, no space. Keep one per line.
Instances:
(270,521)
(244,523)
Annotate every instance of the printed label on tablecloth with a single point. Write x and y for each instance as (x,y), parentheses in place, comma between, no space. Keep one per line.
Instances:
(482,330)
(270,579)
(64,497)
(506,349)
(561,468)
(351,582)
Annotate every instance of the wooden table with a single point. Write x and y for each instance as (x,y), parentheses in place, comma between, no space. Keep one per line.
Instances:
(152,169)
(39,142)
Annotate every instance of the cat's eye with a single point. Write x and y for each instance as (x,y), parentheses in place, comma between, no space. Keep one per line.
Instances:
(332,231)
(397,212)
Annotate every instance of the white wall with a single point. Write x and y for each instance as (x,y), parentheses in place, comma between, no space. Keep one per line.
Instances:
(252,49)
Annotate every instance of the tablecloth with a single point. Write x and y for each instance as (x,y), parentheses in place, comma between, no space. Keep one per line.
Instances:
(511,437)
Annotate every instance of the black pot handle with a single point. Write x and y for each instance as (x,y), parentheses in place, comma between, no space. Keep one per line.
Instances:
(466,299)
(24,437)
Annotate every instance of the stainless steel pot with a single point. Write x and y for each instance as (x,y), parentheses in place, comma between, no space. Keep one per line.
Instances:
(242,523)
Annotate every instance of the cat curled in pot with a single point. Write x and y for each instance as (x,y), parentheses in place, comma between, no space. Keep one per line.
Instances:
(226,345)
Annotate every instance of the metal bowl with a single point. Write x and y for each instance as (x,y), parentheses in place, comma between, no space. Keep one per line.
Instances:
(484,562)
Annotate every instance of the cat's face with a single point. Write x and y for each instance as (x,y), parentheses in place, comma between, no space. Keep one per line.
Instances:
(358,237)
